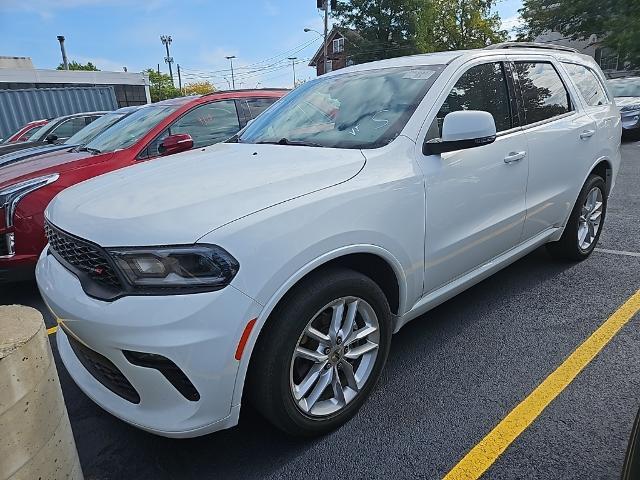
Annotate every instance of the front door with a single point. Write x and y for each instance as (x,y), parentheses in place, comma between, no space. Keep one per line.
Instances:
(475,205)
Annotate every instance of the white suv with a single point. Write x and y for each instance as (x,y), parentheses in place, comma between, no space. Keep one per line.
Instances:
(274,268)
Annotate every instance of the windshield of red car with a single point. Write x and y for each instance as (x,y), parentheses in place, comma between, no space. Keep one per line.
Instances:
(129,130)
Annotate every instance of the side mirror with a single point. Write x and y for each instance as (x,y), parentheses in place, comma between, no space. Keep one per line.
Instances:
(179,142)
(51,138)
(461,130)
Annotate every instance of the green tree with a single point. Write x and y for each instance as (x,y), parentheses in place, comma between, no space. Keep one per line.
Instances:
(199,88)
(615,21)
(457,24)
(73,65)
(385,28)
(392,28)
(160,86)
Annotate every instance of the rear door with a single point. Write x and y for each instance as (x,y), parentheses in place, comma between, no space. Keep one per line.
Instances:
(559,133)
(476,197)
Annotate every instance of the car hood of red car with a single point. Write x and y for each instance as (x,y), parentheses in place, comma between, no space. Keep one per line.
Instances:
(54,162)
(180,198)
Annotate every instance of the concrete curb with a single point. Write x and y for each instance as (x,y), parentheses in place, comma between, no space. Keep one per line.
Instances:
(36,440)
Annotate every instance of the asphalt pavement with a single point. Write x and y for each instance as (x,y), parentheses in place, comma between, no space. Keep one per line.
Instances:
(452,375)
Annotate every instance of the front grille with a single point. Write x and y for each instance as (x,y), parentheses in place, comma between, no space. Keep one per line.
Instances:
(82,255)
(103,370)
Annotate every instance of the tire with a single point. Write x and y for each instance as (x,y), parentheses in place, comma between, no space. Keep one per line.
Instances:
(276,374)
(570,247)
(631,468)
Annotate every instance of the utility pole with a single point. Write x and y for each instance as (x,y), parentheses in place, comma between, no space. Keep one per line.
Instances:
(326,32)
(65,62)
(159,82)
(233,80)
(293,64)
(179,80)
(166,41)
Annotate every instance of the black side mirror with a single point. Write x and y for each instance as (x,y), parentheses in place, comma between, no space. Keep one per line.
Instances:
(51,138)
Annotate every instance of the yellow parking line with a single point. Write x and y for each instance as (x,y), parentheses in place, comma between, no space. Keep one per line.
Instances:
(485,453)
(52,330)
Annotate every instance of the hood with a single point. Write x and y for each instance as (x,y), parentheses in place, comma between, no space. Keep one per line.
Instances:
(58,162)
(15,146)
(179,198)
(624,102)
(26,153)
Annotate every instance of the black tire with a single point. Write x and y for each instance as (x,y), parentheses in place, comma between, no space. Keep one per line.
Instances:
(268,383)
(631,468)
(567,248)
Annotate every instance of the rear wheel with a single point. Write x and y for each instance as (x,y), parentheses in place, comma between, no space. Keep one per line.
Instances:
(583,229)
(321,353)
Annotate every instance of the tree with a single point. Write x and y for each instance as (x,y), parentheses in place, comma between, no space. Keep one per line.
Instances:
(199,88)
(73,65)
(457,25)
(392,28)
(160,86)
(385,28)
(615,21)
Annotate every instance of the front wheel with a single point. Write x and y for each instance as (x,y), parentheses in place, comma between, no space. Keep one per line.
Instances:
(321,353)
(583,229)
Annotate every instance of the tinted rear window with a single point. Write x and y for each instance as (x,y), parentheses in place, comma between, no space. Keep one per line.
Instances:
(543,92)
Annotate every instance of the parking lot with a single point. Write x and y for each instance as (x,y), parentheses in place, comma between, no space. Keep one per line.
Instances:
(452,375)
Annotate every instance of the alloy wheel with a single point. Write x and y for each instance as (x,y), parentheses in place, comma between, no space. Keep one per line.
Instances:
(334,356)
(590,219)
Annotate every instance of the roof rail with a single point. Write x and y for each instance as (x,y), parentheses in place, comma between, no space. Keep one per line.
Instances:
(240,90)
(542,46)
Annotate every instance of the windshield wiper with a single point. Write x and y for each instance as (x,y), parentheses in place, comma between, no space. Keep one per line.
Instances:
(92,151)
(286,141)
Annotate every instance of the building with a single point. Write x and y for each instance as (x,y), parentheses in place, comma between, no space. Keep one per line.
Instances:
(608,59)
(18,73)
(339,42)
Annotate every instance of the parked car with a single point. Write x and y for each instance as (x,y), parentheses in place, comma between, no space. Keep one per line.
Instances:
(627,96)
(78,140)
(55,131)
(275,270)
(162,128)
(25,132)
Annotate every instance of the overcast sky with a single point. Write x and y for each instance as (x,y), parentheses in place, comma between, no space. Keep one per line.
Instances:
(117,33)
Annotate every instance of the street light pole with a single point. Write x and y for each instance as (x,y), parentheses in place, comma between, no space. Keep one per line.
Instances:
(293,65)
(233,80)
(166,41)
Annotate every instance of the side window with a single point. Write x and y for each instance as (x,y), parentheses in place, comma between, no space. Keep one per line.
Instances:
(209,123)
(69,127)
(483,87)
(590,87)
(152,150)
(259,105)
(543,92)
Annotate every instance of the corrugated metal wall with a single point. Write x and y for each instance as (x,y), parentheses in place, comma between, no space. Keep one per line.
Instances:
(18,107)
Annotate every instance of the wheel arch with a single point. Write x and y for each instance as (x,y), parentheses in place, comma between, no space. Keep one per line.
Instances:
(371,260)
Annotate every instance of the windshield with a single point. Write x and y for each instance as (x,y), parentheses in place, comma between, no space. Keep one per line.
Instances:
(625,87)
(130,129)
(354,110)
(40,132)
(95,128)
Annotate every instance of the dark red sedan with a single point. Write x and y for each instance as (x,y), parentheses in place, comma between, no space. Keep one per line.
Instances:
(154,130)
(24,133)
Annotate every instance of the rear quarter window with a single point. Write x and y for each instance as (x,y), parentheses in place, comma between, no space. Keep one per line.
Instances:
(588,84)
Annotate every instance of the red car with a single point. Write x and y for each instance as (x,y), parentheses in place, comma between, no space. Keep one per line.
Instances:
(25,132)
(158,129)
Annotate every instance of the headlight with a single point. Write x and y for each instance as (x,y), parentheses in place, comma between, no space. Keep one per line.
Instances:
(10,196)
(191,267)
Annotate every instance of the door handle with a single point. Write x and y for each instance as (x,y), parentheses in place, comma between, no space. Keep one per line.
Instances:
(514,157)
(586,134)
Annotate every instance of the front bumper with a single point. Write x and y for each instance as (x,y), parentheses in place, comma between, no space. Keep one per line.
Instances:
(199,333)
(630,120)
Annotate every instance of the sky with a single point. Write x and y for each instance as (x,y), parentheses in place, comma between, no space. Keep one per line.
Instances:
(114,34)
